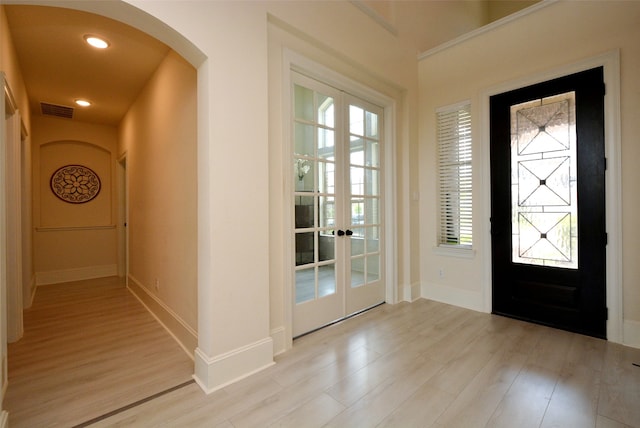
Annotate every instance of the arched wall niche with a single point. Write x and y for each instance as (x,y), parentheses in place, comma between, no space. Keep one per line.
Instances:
(55,212)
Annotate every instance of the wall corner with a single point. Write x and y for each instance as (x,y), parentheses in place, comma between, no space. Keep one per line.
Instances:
(631,333)
(214,373)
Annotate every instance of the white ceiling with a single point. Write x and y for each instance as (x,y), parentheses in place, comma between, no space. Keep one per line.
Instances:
(59,67)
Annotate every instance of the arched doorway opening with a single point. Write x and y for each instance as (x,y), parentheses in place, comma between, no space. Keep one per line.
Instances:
(158,284)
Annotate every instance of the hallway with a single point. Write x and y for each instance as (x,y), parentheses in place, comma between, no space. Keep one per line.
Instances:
(89,348)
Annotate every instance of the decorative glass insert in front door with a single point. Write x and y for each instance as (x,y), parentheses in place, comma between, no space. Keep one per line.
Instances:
(544,220)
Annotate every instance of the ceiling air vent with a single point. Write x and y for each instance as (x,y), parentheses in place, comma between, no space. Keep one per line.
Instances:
(56,110)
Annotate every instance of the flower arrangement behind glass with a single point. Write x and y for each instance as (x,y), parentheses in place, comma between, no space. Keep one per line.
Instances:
(302,167)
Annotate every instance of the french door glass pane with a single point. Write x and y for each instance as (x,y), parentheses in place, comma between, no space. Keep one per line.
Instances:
(303,103)
(372,213)
(305,285)
(357,151)
(357,271)
(326,177)
(371,187)
(373,267)
(326,280)
(356,120)
(543,182)
(303,175)
(358,232)
(357,180)
(305,245)
(304,211)
(326,143)
(372,154)
(326,111)
(371,124)
(327,211)
(303,139)
(357,211)
(357,243)
(373,240)
(326,247)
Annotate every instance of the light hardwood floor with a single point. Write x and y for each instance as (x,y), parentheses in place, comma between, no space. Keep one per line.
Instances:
(423,364)
(89,347)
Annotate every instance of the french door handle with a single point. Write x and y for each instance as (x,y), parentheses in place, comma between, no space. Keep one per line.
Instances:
(340,232)
(349,232)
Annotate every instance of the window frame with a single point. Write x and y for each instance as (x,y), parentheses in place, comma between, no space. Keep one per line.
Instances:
(454,169)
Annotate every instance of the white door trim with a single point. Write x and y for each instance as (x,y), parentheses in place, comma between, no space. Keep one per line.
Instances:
(13,176)
(123,216)
(299,63)
(610,61)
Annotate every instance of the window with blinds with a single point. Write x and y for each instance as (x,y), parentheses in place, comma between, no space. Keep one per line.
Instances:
(454,175)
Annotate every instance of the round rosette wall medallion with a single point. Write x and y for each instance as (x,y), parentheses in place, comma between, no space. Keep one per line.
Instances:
(75,184)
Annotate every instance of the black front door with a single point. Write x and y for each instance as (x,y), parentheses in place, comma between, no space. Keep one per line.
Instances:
(548,232)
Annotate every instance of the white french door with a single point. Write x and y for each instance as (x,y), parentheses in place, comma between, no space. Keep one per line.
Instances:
(337,175)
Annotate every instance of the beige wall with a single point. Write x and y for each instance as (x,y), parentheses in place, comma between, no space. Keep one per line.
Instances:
(554,36)
(497,9)
(10,68)
(73,238)
(158,137)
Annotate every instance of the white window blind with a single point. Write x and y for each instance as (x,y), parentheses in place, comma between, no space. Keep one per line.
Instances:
(454,175)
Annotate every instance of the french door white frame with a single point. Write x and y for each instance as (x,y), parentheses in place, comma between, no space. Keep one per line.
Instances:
(293,61)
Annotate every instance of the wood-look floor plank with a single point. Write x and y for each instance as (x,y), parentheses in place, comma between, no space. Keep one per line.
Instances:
(355,386)
(526,402)
(620,390)
(574,400)
(89,348)
(604,422)
(420,364)
(382,400)
(314,413)
(419,410)
(478,400)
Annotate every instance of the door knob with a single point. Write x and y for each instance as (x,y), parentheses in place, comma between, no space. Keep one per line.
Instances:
(349,232)
(340,232)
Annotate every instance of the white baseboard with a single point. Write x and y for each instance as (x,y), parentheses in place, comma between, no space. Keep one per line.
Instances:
(186,336)
(279,345)
(453,296)
(4,375)
(631,333)
(78,274)
(214,373)
(411,292)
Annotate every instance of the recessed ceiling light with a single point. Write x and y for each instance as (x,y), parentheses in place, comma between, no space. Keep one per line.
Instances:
(96,41)
(83,103)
